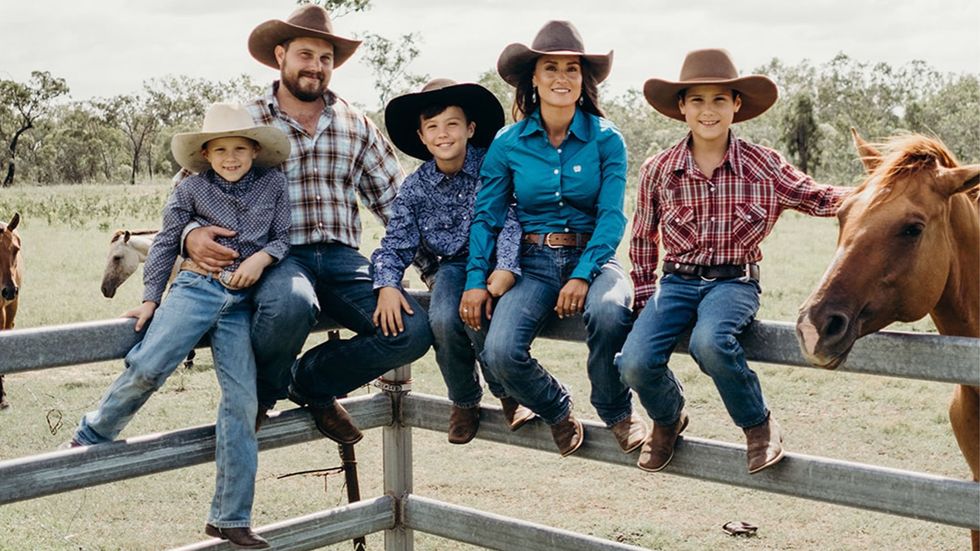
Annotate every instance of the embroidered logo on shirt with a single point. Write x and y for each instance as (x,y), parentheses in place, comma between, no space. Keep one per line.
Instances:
(577,168)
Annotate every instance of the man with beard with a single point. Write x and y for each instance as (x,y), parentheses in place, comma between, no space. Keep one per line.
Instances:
(337,155)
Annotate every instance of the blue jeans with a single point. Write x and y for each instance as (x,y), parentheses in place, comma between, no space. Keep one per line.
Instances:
(458,347)
(720,310)
(523,311)
(333,279)
(194,307)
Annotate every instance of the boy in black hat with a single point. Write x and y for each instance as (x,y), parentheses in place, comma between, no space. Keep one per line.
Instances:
(449,126)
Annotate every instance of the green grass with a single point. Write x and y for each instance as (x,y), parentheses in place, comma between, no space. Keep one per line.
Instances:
(889,422)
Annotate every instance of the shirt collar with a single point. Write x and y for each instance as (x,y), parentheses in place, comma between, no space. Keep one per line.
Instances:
(471,166)
(681,159)
(579,127)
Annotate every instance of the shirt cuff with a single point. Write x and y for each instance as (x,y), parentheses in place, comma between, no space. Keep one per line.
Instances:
(183,237)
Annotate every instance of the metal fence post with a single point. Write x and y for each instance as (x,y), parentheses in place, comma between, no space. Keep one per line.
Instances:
(397,457)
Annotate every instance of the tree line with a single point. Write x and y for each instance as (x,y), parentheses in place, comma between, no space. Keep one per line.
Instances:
(47,137)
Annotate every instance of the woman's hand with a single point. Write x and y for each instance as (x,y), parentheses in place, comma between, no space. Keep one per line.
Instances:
(472,306)
(571,299)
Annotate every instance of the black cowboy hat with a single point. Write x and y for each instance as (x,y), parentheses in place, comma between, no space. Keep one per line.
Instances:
(481,107)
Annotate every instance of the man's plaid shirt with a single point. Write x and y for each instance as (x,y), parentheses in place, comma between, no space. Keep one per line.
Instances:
(716,220)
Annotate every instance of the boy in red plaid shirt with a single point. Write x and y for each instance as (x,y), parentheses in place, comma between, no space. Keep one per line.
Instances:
(712,198)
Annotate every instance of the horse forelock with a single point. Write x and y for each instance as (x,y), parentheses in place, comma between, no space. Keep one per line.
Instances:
(903,156)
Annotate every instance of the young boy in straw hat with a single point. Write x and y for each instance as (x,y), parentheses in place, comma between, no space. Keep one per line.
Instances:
(449,126)
(712,198)
(238,187)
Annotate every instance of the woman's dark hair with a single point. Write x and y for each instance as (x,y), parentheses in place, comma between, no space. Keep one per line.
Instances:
(525,102)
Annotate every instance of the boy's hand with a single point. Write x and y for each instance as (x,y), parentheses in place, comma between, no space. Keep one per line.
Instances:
(571,299)
(472,306)
(142,313)
(206,252)
(250,270)
(388,314)
(499,282)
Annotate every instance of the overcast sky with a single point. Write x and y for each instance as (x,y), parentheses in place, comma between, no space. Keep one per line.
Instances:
(110,47)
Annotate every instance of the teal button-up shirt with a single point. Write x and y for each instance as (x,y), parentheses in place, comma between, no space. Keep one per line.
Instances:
(577,187)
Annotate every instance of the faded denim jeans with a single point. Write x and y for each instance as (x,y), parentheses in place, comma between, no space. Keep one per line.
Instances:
(195,306)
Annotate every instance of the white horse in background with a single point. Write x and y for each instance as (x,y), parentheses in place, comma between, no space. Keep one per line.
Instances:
(127,250)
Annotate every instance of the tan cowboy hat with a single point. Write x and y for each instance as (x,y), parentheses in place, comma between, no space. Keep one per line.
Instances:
(225,120)
(555,37)
(307,21)
(481,107)
(712,66)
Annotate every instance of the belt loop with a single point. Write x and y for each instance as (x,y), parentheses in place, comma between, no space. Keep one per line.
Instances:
(748,273)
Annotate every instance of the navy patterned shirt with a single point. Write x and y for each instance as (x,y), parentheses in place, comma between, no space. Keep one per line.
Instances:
(256,206)
(433,212)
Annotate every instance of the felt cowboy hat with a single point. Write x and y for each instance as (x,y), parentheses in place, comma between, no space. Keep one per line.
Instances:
(307,21)
(555,37)
(480,105)
(712,66)
(226,120)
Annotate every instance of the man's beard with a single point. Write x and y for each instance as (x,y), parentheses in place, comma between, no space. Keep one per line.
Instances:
(292,84)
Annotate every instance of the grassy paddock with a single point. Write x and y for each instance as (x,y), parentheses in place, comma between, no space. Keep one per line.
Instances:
(889,422)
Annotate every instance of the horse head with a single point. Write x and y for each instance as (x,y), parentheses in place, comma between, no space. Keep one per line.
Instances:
(10,261)
(121,263)
(902,233)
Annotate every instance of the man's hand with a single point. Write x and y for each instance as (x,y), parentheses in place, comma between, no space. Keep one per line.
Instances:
(472,306)
(388,314)
(206,252)
(571,299)
(250,270)
(142,313)
(499,282)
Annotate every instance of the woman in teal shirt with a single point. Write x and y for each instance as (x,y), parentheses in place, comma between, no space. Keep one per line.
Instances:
(565,166)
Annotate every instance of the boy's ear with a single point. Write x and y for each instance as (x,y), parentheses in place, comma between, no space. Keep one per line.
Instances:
(680,105)
(470,129)
(255,150)
(737,102)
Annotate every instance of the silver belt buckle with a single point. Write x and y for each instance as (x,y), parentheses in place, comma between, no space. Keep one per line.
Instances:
(748,273)
(225,278)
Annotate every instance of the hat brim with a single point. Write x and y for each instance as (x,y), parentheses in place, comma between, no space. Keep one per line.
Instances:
(515,58)
(264,39)
(274,146)
(757,92)
(481,106)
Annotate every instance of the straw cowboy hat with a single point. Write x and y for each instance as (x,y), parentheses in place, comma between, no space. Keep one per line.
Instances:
(480,105)
(712,66)
(555,37)
(225,120)
(307,21)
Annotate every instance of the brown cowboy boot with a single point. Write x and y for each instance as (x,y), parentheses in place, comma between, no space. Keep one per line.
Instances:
(242,538)
(764,445)
(516,414)
(658,449)
(630,432)
(463,424)
(335,423)
(568,434)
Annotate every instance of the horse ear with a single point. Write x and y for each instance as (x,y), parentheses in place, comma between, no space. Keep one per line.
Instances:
(870,156)
(959,179)
(126,237)
(14,221)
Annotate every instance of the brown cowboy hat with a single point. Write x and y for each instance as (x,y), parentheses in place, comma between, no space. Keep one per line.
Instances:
(712,66)
(226,120)
(480,105)
(307,21)
(555,37)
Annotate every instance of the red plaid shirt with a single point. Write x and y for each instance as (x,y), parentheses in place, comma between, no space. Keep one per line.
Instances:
(717,220)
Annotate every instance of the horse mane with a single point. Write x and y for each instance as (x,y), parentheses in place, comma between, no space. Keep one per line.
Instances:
(119,233)
(902,156)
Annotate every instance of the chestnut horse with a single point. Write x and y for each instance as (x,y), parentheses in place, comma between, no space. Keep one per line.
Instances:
(909,245)
(11,274)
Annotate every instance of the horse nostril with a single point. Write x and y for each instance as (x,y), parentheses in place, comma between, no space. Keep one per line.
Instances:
(8,293)
(835,325)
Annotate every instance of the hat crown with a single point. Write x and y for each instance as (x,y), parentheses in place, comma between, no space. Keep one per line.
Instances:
(223,117)
(558,36)
(311,17)
(437,84)
(709,64)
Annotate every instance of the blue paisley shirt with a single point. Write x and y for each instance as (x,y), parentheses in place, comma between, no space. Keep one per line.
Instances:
(433,212)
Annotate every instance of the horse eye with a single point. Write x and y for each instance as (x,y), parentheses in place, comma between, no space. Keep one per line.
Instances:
(912,230)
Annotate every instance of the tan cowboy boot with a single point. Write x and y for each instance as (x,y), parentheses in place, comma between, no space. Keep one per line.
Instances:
(658,449)
(764,445)
(463,424)
(516,414)
(630,432)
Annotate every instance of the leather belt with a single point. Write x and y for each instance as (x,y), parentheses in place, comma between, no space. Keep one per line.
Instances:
(556,240)
(720,271)
(223,278)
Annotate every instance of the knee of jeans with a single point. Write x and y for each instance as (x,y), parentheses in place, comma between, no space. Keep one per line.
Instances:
(445,323)
(606,317)
(713,352)
(415,340)
(503,358)
(147,381)
(294,310)
(633,370)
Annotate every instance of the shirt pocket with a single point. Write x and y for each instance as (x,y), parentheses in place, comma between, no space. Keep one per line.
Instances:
(749,224)
(680,230)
